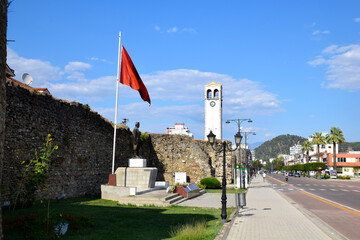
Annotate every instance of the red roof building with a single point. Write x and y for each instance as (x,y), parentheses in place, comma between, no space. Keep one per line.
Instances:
(346,163)
(10,73)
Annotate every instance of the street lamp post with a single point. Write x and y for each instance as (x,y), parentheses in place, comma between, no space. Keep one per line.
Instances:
(211,137)
(246,155)
(239,121)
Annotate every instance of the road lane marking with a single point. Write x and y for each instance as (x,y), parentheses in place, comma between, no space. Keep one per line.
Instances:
(311,189)
(333,190)
(332,203)
(344,190)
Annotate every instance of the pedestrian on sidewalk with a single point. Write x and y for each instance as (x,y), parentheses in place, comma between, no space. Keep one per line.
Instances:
(264,176)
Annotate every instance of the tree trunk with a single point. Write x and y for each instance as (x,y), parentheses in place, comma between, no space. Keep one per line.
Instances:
(334,158)
(3,27)
(307,157)
(318,153)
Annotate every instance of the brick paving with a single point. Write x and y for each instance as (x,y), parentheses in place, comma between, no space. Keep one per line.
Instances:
(270,216)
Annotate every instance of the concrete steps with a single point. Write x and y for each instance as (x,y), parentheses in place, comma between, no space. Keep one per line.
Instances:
(154,198)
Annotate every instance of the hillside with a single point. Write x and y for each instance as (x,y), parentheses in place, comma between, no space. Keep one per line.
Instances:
(354,146)
(278,145)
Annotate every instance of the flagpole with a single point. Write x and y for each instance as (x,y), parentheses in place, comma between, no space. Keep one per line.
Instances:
(116,104)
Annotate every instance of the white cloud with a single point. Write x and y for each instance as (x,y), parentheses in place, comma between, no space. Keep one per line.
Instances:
(85,90)
(356,19)
(319,60)
(343,65)
(99,59)
(317,32)
(41,71)
(188,85)
(74,68)
(177,95)
(172,30)
(175,30)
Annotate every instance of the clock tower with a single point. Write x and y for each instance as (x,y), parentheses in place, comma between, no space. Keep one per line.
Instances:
(213,109)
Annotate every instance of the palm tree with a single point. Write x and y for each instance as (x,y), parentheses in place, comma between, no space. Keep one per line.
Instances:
(318,139)
(335,137)
(306,147)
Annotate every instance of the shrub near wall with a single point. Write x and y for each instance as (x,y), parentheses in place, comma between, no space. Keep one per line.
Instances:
(210,183)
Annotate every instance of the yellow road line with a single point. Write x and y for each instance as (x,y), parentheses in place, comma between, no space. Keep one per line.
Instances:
(322,200)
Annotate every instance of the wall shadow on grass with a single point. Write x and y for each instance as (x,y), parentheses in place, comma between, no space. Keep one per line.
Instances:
(114,221)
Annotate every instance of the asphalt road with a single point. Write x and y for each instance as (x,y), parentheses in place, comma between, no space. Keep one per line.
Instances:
(336,202)
(343,192)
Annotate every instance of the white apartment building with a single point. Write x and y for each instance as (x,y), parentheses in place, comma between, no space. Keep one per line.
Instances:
(296,149)
(180,129)
(296,155)
(323,149)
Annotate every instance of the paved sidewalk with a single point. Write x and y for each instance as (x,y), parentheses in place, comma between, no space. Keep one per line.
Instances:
(269,216)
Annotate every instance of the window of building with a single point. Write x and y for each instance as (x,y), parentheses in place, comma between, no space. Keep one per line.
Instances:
(216,93)
(342,159)
(322,146)
(209,94)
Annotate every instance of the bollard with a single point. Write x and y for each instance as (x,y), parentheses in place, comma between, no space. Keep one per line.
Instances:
(237,204)
(242,199)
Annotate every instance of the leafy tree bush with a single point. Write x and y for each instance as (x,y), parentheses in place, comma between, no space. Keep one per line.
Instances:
(34,176)
(343,177)
(210,182)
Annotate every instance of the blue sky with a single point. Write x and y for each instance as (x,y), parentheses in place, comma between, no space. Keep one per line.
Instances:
(293,67)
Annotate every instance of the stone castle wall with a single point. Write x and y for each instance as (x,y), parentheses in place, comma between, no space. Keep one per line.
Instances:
(85,139)
(179,153)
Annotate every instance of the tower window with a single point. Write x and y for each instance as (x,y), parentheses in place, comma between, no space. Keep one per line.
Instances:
(216,93)
(209,94)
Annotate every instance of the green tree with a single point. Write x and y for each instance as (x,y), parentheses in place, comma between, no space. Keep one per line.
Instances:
(318,139)
(335,137)
(257,164)
(306,147)
(278,163)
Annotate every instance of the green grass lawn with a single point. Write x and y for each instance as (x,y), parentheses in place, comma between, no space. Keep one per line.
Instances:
(228,190)
(114,221)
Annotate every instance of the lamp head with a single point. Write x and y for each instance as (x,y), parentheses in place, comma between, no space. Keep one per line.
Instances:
(238,138)
(211,137)
(227,121)
(250,120)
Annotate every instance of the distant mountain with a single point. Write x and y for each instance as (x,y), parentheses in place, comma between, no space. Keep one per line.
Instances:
(353,146)
(254,145)
(278,145)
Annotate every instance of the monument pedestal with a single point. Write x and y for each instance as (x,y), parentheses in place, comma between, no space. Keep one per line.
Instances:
(140,177)
(127,180)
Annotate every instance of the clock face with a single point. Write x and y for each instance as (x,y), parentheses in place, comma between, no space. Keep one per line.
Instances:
(212,103)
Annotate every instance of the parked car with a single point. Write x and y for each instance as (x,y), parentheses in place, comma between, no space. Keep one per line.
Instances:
(297,174)
(291,174)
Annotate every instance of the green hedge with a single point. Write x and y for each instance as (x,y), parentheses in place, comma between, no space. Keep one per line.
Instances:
(306,167)
(210,182)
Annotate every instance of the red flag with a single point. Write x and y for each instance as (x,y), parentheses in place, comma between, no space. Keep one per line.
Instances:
(130,77)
